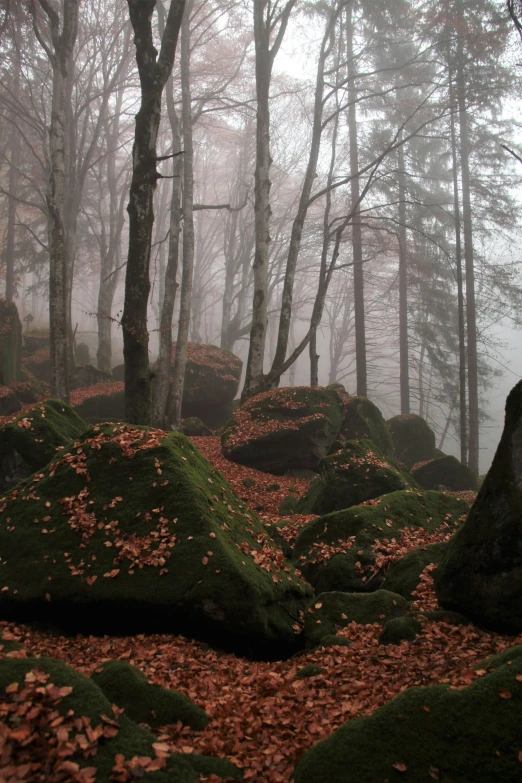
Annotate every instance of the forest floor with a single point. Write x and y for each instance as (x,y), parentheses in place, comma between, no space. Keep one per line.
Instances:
(263,717)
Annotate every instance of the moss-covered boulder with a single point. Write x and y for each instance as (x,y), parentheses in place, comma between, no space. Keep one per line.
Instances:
(429,733)
(9,401)
(30,441)
(85,375)
(403,575)
(330,612)
(282,429)
(10,343)
(481,573)
(338,551)
(412,437)
(400,629)
(362,420)
(101,402)
(143,702)
(39,364)
(35,340)
(133,530)
(357,473)
(61,722)
(446,471)
(195,428)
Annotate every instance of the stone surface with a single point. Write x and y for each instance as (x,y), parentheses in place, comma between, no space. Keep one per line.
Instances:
(10,343)
(362,420)
(282,429)
(481,573)
(412,437)
(446,471)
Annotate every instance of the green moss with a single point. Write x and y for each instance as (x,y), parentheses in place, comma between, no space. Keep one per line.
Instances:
(362,420)
(480,575)
(330,640)
(31,440)
(412,437)
(400,628)
(288,505)
(334,551)
(145,703)
(445,471)
(310,670)
(283,429)
(87,700)
(100,408)
(501,659)
(357,473)
(8,645)
(330,612)
(147,508)
(403,576)
(194,427)
(435,732)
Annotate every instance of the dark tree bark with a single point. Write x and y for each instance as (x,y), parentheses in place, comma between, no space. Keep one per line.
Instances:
(404,359)
(154,72)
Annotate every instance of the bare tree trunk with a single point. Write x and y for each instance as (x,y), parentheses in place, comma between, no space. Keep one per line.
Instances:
(463,428)
(404,360)
(14,146)
(471,321)
(263,25)
(358,274)
(178,371)
(154,73)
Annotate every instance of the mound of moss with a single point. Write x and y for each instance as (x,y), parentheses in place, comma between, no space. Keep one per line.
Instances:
(74,726)
(446,471)
(127,687)
(481,573)
(330,612)
(412,437)
(429,733)
(10,343)
(400,629)
(334,552)
(403,576)
(195,427)
(132,529)
(362,420)
(29,389)
(85,375)
(30,441)
(357,473)
(100,403)
(282,429)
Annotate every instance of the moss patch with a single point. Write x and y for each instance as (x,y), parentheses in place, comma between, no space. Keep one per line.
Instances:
(362,420)
(330,612)
(412,437)
(145,703)
(334,552)
(399,629)
(349,477)
(403,576)
(100,403)
(283,429)
(429,733)
(445,471)
(133,529)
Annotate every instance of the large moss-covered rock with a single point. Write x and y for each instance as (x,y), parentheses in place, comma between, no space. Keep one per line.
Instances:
(403,576)
(101,402)
(334,552)
(62,723)
(132,529)
(10,343)
(357,473)
(413,439)
(9,401)
(446,471)
(282,429)
(429,733)
(30,441)
(481,573)
(194,427)
(362,420)
(85,375)
(330,612)
(143,702)
(35,340)
(39,364)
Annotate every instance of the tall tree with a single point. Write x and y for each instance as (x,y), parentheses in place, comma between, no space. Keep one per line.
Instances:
(154,71)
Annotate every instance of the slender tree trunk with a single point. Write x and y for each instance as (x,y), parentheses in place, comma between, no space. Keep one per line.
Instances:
(14,146)
(404,360)
(178,371)
(358,274)
(463,428)
(471,322)
(154,73)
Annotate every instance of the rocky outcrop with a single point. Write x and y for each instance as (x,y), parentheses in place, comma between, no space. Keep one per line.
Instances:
(446,471)
(412,437)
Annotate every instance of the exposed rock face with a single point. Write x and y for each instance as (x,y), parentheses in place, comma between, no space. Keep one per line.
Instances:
(282,429)
(135,528)
(430,733)
(30,441)
(445,471)
(357,473)
(413,439)
(10,343)
(336,551)
(481,573)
